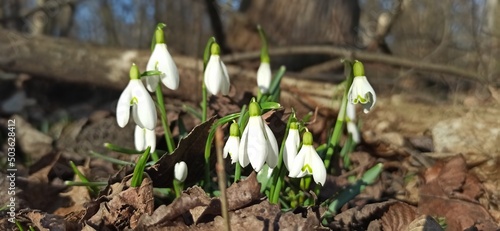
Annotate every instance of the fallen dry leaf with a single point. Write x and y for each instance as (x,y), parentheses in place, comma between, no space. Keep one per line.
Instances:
(77,195)
(359,218)
(123,207)
(451,192)
(398,217)
(200,208)
(191,150)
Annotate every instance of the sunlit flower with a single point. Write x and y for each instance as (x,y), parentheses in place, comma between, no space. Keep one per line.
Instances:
(180,171)
(161,60)
(233,143)
(137,97)
(258,144)
(264,77)
(216,77)
(144,138)
(308,162)
(351,125)
(292,143)
(361,91)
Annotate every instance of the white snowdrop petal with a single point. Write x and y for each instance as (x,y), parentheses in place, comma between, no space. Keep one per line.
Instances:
(242,152)
(351,111)
(264,77)
(123,107)
(298,163)
(272,150)
(170,77)
(151,82)
(135,116)
(292,143)
(213,75)
(225,83)
(180,171)
(353,130)
(139,140)
(145,110)
(257,143)
(150,139)
(232,146)
(318,167)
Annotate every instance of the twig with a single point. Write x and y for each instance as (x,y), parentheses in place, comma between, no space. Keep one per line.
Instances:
(221,176)
(362,55)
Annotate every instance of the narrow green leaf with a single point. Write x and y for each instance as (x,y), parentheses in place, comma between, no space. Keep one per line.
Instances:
(110,159)
(116,148)
(139,169)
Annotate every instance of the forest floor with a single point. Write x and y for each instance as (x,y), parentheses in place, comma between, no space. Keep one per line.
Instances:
(440,156)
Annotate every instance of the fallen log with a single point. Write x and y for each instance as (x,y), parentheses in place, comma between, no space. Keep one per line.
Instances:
(76,62)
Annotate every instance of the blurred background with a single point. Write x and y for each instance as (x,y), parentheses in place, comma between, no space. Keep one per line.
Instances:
(460,38)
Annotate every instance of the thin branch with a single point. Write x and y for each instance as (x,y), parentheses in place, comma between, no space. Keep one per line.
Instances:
(361,55)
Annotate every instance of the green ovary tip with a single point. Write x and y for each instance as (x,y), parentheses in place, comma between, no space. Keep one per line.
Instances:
(358,68)
(307,139)
(254,109)
(215,49)
(134,72)
(159,36)
(234,130)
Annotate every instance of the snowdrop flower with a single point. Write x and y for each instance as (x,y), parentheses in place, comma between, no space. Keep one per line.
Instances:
(308,162)
(351,125)
(361,91)
(143,107)
(264,71)
(180,171)
(233,143)
(258,144)
(292,143)
(264,77)
(144,138)
(162,61)
(216,77)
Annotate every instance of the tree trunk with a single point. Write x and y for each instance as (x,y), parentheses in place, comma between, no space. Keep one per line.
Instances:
(294,22)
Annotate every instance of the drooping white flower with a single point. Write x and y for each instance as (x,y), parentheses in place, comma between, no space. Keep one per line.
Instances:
(216,78)
(258,144)
(233,143)
(137,97)
(292,143)
(308,162)
(144,138)
(162,61)
(361,91)
(180,171)
(351,125)
(264,77)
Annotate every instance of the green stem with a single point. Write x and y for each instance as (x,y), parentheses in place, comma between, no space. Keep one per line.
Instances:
(339,124)
(237,172)
(279,174)
(178,187)
(204,103)
(154,156)
(164,119)
(139,169)
(278,185)
(208,146)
